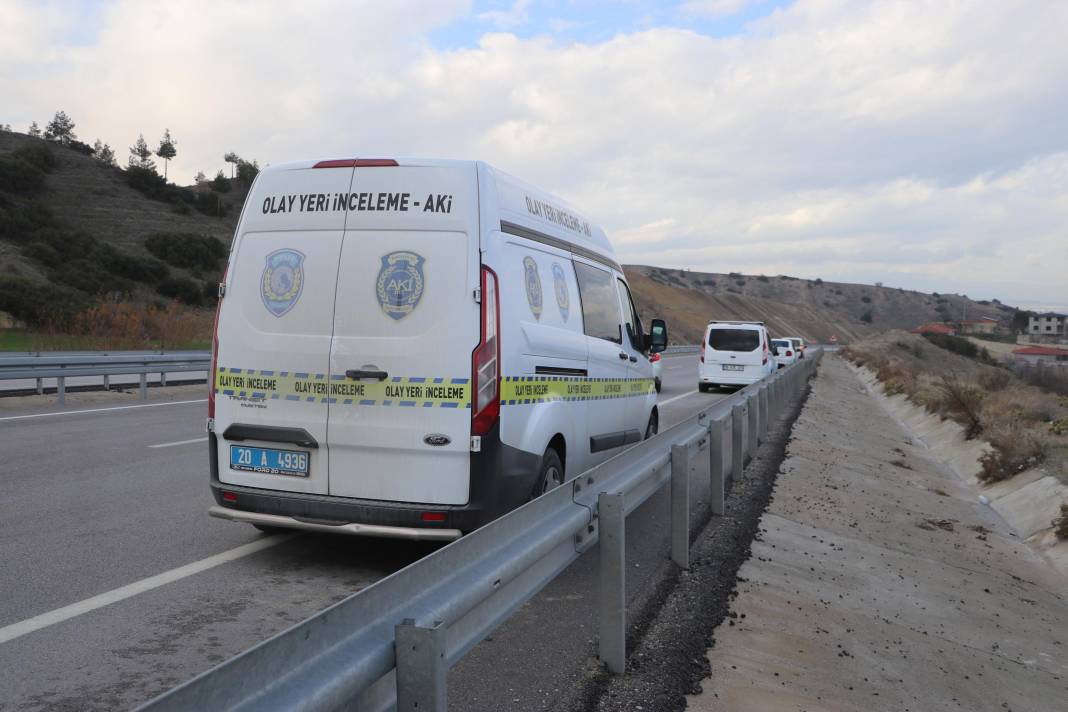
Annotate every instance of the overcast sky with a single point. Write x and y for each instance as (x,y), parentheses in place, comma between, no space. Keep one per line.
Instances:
(920,144)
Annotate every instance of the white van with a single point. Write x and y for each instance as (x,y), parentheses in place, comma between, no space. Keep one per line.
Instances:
(411,348)
(734,353)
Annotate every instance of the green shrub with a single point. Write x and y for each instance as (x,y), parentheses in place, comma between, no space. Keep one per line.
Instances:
(37,154)
(183,289)
(89,276)
(220,183)
(147,182)
(866,299)
(866,317)
(762,278)
(18,176)
(37,302)
(187,250)
(1060,524)
(140,269)
(43,253)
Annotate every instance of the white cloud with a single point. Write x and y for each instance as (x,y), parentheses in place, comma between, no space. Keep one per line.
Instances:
(716,8)
(509,19)
(916,142)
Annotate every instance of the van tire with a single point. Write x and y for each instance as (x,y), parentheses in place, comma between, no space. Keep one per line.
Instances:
(268,529)
(654,425)
(704,387)
(551,475)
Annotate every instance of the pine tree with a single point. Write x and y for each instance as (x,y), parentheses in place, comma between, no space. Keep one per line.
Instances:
(141,155)
(103,153)
(60,128)
(34,130)
(167,150)
(233,158)
(200,178)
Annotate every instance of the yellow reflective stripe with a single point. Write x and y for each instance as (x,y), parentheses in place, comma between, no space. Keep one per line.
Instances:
(412,391)
(515,390)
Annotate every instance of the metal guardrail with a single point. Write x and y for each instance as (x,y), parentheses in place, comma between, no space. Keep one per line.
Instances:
(390,645)
(62,366)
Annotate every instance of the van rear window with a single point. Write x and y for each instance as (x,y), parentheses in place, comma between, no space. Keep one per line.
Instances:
(734,339)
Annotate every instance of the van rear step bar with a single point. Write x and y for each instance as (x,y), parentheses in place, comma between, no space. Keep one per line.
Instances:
(376,530)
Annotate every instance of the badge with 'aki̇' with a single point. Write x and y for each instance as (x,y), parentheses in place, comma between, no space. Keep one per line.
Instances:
(282,281)
(533,283)
(400,283)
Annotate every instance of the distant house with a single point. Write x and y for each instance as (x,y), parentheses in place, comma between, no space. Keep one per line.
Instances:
(1048,327)
(982,325)
(935,328)
(1045,355)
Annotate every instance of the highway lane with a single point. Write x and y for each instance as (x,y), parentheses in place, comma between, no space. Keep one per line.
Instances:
(90,506)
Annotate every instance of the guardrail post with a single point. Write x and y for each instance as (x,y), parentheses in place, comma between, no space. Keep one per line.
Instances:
(144,386)
(61,389)
(753,430)
(162,378)
(680,505)
(719,462)
(765,418)
(739,424)
(40,386)
(107,382)
(421,667)
(613,605)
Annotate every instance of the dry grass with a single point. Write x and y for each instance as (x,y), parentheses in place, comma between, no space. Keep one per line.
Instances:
(129,325)
(1024,424)
(1060,524)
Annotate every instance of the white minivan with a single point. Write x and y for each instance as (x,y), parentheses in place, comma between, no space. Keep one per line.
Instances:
(734,353)
(411,348)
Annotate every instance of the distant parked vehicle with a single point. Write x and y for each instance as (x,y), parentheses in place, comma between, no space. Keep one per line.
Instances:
(658,369)
(734,353)
(799,345)
(786,352)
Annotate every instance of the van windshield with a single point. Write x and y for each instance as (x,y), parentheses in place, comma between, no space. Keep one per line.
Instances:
(734,339)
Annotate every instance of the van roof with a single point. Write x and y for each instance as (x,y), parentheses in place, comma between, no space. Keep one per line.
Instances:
(736,323)
(519,203)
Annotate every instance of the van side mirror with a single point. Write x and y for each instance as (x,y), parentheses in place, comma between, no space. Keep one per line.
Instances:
(656,339)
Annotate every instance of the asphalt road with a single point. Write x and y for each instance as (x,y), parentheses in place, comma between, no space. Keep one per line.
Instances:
(115,585)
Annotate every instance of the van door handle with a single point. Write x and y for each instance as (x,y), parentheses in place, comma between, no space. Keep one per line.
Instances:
(634,359)
(623,355)
(358,374)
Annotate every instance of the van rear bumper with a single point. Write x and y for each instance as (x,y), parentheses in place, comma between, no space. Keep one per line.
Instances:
(375,530)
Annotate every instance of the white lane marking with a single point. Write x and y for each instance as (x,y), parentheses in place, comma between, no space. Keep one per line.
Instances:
(672,400)
(30,625)
(181,442)
(101,410)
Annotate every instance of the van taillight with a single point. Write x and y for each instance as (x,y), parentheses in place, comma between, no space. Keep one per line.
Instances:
(215,351)
(654,358)
(485,362)
(356,163)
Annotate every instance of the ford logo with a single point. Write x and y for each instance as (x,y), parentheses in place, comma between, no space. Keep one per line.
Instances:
(437,439)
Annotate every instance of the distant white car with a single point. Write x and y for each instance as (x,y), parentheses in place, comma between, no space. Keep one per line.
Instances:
(786,352)
(658,368)
(799,345)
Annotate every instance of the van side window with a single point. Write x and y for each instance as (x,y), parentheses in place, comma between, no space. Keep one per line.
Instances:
(600,303)
(631,321)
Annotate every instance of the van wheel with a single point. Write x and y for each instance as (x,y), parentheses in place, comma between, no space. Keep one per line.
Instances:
(268,529)
(704,387)
(551,475)
(653,427)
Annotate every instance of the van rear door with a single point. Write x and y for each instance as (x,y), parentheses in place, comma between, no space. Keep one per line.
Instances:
(739,351)
(275,324)
(405,325)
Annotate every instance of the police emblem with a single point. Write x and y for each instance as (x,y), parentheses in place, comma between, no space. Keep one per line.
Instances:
(282,281)
(400,283)
(563,300)
(533,283)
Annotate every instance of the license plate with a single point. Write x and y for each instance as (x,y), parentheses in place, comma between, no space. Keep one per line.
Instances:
(268,461)
(732,367)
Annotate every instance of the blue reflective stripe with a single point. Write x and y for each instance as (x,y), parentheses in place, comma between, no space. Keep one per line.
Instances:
(367,402)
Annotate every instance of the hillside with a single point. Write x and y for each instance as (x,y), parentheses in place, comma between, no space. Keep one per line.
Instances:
(73,230)
(812,309)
